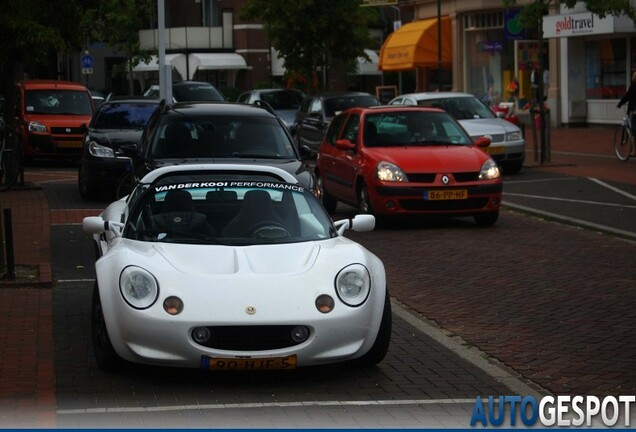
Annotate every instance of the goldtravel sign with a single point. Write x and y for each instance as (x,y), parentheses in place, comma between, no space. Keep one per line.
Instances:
(576,24)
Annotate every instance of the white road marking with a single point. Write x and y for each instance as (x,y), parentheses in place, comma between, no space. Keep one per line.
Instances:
(540,180)
(569,200)
(114,410)
(612,188)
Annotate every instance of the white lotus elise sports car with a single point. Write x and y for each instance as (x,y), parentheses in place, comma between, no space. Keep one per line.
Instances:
(239,267)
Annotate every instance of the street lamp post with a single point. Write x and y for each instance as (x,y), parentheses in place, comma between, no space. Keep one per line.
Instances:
(396,25)
(439,45)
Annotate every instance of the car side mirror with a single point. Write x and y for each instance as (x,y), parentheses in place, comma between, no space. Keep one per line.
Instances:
(482,142)
(500,114)
(345,144)
(128,150)
(359,223)
(305,152)
(97,225)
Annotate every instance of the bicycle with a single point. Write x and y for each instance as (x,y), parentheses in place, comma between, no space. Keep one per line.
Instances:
(9,168)
(624,140)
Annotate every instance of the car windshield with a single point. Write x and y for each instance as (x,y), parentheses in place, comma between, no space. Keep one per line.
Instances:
(335,105)
(412,128)
(122,116)
(221,136)
(58,102)
(196,92)
(282,99)
(462,108)
(209,210)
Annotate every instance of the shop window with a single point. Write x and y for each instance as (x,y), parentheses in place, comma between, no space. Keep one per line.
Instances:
(606,68)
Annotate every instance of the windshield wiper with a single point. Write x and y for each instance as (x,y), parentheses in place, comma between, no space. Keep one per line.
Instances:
(169,236)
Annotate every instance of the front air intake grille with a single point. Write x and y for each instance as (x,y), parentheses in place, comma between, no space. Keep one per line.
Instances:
(250,338)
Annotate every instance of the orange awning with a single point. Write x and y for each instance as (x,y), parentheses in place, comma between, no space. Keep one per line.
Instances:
(415,45)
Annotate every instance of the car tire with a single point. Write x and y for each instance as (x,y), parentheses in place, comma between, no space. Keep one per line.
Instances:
(382,341)
(87,189)
(364,204)
(487,219)
(328,201)
(107,358)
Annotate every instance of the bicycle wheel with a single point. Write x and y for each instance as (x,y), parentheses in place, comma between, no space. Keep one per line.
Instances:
(622,143)
(9,169)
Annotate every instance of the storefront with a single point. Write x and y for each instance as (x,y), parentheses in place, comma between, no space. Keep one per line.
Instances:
(596,61)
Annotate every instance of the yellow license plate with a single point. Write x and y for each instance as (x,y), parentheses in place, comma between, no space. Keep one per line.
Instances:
(69,144)
(451,194)
(223,363)
(495,150)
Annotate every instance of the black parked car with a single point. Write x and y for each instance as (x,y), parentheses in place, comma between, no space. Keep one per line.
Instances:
(316,112)
(222,132)
(115,123)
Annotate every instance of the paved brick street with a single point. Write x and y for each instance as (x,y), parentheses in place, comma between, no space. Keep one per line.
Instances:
(522,308)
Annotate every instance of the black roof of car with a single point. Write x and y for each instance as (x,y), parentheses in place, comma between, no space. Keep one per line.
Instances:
(216,108)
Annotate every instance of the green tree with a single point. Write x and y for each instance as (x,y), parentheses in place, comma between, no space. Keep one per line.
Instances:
(117,24)
(531,17)
(310,34)
(31,32)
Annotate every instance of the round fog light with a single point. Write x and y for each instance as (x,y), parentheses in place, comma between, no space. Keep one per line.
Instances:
(173,305)
(201,334)
(300,334)
(390,205)
(324,303)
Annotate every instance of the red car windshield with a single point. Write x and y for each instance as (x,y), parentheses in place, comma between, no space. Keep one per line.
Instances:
(58,102)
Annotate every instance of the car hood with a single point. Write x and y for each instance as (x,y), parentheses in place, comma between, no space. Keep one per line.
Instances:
(491,126)
(293,166)
(59,120)
(261,259)
(419,159)
(115,137)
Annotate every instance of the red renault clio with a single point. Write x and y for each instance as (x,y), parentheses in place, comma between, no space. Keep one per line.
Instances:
(394,160)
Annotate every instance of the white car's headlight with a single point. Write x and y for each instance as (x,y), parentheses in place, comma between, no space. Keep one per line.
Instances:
(138,287)
(489,170)
(386,171)
(353,284)
(513,136)
(100,151)
(37,127)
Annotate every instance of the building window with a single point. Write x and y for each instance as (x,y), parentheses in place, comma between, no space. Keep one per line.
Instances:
(606,68)
(211,13)
(483,20)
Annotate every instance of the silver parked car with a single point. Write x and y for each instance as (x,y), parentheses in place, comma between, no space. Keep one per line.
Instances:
(508,145)
(284,102)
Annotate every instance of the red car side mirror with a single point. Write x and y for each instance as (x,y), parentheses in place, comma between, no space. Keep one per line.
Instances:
(482,141)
